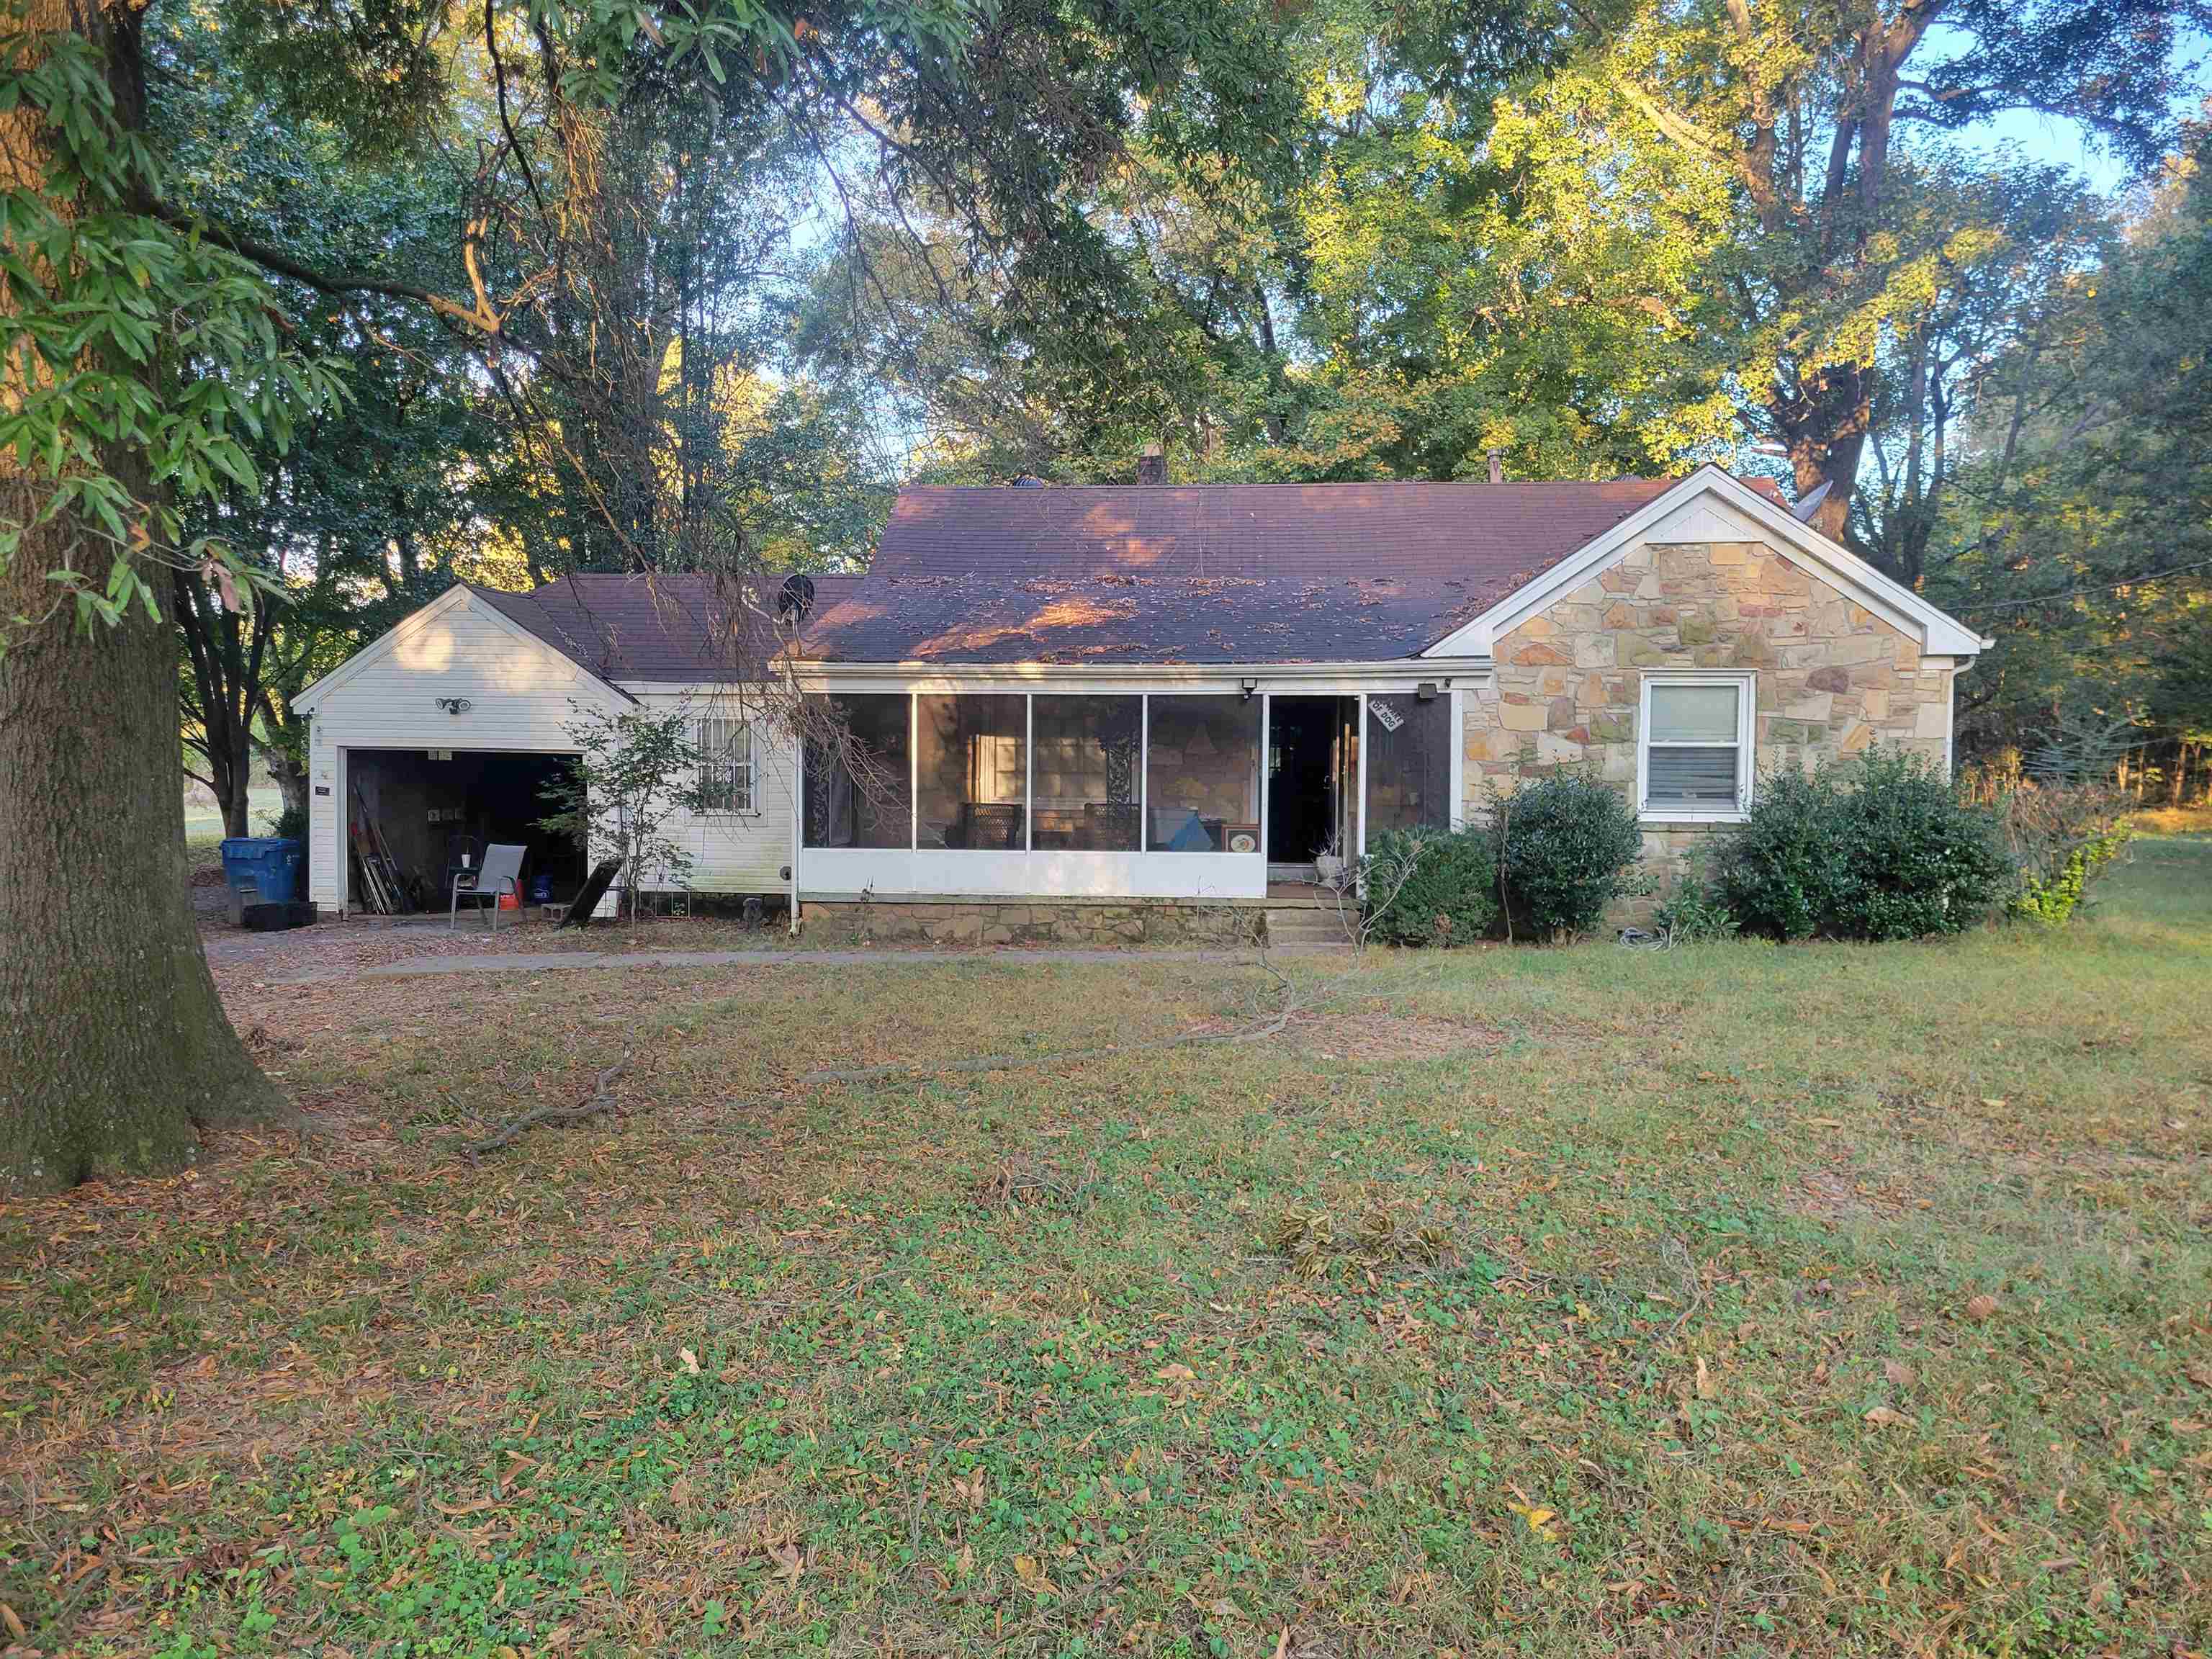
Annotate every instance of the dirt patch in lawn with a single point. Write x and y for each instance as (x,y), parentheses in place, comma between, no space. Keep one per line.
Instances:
(1376,1034)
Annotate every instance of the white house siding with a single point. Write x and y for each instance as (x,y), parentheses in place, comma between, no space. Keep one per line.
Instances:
(737,851)
(520,693)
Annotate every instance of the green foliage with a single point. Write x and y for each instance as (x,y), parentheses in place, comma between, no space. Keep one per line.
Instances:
(634,772)
(98,297)
(1694,911)
(1431,886)
(1567,846)
(1877,846)
(2062,838)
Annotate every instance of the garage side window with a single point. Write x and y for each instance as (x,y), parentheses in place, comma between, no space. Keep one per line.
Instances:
(1695,756)
(725,765)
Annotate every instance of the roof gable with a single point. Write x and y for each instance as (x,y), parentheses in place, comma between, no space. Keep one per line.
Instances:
(459,597)
(1707,501)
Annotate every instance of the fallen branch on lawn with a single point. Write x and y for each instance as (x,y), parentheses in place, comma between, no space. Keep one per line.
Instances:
(599,1100)
(1296,1001)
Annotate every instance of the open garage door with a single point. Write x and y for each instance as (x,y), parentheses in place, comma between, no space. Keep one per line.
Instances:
(427,807)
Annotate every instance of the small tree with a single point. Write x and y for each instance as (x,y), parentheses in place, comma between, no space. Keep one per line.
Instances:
(636,771)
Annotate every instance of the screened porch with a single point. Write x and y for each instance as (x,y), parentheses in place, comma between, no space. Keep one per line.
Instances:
(1150,793)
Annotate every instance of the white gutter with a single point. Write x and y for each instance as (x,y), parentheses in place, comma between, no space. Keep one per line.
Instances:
(816,676)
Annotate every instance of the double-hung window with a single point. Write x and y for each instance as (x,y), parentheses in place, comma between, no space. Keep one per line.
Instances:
(1693,748)
(725,765)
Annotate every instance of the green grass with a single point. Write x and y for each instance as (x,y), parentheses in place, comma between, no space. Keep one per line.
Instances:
(1733,1299)
(204,820)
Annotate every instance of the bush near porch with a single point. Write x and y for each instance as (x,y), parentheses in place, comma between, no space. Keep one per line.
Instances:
(1845,1298)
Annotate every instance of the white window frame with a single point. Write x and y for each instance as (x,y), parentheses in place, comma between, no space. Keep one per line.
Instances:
(1746,685)
(743,773)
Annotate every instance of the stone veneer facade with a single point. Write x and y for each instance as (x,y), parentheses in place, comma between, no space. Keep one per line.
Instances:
(1832,677)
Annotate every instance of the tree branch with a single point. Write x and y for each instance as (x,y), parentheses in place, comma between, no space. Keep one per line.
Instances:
(322,282)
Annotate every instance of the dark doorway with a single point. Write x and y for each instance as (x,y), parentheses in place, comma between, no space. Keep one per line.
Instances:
(428,805)
(1309,750)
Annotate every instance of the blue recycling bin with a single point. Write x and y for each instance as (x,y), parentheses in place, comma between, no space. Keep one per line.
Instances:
(268,864)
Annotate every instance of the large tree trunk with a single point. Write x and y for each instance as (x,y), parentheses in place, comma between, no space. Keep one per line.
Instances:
(116,1044)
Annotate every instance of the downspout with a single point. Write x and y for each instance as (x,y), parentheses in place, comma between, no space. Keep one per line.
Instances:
(798,810)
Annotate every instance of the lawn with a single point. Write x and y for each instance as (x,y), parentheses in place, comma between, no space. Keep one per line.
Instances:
(1731,1300)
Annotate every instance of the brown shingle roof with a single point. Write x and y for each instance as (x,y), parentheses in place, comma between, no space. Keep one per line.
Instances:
(1141,573)
(671,627)
(1235,573)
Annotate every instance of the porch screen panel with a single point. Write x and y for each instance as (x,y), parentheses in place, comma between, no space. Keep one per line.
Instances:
(1408,761)
(971,769)
(1202,780)
(1087,756)
(859,787)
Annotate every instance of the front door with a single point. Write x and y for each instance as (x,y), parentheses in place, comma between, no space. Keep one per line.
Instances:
(1304,795)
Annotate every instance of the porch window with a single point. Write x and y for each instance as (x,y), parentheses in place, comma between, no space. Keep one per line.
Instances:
(1408,761)
(1694,759)
(1202,776)
(858,792)
(1088,753)
(971,767)
(725,765)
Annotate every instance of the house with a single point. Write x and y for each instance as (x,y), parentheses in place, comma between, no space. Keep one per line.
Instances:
(1129,710)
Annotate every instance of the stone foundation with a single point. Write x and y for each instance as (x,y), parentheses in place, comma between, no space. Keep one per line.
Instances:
(1124,923)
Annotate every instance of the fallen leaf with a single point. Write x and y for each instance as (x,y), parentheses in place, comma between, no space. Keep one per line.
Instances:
(13,1620)
(1883,1416)
(1033,1577)
(790,1562)
(688,1360)
(1173,1373)
(1981,1307)
(1899,1373)
(1707,1388)
(1541,1521)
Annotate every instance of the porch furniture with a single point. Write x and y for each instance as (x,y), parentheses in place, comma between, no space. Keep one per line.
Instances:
(491,880)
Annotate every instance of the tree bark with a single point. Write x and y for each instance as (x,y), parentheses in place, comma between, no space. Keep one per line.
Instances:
(117,1046)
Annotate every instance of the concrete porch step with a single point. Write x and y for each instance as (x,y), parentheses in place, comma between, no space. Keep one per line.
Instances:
(1304,928)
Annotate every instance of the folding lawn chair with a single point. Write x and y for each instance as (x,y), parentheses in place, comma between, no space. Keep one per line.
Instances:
(489,881)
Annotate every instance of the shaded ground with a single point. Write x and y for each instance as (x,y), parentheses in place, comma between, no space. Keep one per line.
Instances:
(1724,1300)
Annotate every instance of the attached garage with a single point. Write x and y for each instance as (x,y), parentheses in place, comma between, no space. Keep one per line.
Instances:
(441,735)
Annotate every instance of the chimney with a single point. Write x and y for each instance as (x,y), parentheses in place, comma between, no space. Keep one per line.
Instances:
(1497,464)
(1152,466)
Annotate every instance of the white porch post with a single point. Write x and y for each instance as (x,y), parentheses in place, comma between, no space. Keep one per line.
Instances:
(1144,772)
(798,817)
(1456,816)
(1361,838)
(1266,769)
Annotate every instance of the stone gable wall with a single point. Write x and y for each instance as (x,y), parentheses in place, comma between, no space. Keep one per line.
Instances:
(1833,677)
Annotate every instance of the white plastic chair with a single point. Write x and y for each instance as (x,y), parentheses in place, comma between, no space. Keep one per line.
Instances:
(501,865)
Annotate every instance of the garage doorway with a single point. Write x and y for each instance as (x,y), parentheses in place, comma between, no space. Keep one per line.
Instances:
(430,806)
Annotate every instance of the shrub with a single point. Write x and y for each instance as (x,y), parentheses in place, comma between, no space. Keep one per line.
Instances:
(292,822)
(1879,847)
(1695,911)
(1567,846)
(1427,887)
(2061,838)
